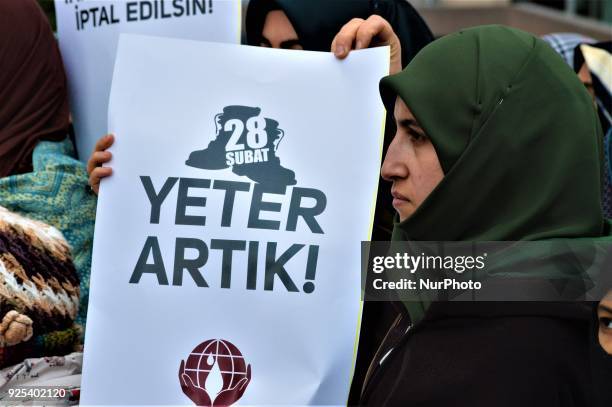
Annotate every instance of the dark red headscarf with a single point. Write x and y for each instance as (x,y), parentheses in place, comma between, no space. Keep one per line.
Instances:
(33,94)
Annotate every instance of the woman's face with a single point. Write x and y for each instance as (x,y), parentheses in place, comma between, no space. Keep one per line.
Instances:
(411,163)
(278,32)
(604,315)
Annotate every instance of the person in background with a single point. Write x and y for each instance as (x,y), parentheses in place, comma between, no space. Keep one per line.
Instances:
(564,44)
(601,352)
(604,314)
(593,64)
(40,177)
(597,78)
(311,25)
(43,188)
(595,72)
(32,86)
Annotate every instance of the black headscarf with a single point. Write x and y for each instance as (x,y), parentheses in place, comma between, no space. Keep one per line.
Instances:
(317,21)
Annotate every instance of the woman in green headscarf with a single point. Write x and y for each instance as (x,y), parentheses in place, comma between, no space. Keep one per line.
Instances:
(497,140)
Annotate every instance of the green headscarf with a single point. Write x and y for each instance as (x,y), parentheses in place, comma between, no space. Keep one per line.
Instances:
(516,134)
(517,137)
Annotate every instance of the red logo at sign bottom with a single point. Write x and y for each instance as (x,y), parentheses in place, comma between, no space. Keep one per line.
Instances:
(195,371)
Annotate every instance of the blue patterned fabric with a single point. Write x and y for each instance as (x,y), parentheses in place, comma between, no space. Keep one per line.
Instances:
(57,193)
(565,44)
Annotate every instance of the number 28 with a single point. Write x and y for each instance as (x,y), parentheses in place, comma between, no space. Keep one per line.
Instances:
(256,136)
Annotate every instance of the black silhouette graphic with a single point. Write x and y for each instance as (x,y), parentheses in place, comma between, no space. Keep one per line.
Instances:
(247,142)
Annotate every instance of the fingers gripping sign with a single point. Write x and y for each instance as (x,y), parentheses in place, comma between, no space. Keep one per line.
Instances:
(373,32)
(99,157)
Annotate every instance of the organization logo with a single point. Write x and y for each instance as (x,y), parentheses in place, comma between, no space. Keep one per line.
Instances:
(217,356)
(246,142)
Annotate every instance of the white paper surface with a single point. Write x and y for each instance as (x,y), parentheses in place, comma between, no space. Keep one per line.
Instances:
(166,96)
(88,31)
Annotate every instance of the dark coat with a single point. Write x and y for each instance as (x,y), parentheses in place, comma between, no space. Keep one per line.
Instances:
(490,355)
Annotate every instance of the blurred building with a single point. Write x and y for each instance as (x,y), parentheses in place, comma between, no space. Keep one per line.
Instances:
(592,18)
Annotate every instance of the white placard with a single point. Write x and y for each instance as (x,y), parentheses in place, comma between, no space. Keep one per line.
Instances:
(267,157)
(88,32)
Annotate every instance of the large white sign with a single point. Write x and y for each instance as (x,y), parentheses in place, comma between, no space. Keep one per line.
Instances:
(88,32)
(227,244)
